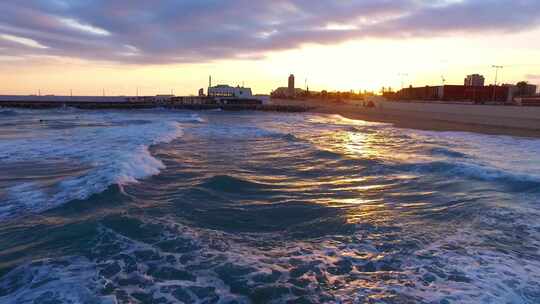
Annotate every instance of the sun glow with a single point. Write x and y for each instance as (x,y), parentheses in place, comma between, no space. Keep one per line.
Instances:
(358,65)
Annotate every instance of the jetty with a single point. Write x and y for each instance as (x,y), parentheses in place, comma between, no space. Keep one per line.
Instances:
(134,103)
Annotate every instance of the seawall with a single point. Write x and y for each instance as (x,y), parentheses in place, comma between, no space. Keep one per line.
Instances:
(90,105)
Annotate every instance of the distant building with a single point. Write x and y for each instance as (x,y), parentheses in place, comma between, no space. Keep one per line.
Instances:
(475,80)
(229,92)
(456,93)
(201,92)
(521,89)
(291,87)
(285,92)
(289,91)
(526,89)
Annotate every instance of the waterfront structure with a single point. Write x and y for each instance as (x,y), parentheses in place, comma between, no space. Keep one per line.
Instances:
(163,98)
(291,87)
(60,99)
(226,91)
(475,80)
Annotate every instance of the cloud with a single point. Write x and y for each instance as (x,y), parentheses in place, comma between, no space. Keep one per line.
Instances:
(23,41)
(84,27)
(178,31)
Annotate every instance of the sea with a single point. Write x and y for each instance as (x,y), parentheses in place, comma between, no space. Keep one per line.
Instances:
(162,206)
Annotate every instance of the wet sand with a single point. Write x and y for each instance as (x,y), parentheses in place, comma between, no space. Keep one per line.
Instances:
(354,110)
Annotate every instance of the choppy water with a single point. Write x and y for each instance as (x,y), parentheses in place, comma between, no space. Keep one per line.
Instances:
(213,207)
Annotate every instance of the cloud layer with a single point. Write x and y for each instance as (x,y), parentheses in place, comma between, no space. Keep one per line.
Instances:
(178,31)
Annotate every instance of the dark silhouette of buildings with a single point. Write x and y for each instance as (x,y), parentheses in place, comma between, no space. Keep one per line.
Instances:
(291,88)
(475,80)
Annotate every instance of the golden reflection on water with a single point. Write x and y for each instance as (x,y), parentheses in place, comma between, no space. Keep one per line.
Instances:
(352,142)
(368,204)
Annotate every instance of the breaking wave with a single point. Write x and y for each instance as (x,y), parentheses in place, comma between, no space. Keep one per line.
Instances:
(117,154)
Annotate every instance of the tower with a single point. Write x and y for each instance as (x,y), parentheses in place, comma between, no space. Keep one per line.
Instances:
(291,88)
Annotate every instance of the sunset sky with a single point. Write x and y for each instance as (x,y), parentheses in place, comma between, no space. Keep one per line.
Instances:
(159,46)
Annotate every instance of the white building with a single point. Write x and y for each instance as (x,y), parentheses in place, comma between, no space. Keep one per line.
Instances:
(230,92)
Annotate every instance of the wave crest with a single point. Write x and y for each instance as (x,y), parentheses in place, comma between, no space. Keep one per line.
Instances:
(111,155)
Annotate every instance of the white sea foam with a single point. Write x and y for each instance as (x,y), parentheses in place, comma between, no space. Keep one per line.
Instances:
(108,151)
(70,280)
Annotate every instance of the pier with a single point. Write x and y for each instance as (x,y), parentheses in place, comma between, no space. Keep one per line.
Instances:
(178,103)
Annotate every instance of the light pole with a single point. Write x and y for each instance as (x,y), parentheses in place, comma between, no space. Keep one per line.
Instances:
(402,76)
(497,68)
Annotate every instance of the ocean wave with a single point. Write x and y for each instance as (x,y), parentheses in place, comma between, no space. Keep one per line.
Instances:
(65,280)
(8,113)
(113,155)
(227,183)
(326,154)
(285,136)
(447,152)
(512,180)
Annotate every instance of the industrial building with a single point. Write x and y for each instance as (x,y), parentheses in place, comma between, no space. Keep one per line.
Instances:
(456,93)
(522,89)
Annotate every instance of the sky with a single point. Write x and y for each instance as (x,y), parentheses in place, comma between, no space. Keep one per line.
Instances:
(157,47)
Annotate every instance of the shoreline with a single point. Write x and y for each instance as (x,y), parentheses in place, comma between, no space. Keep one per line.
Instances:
(492,120)
(354,110)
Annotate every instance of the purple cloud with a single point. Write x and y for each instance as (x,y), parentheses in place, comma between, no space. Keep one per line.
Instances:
(177,31)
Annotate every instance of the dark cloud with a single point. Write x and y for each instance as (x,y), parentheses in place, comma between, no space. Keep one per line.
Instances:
(165,31)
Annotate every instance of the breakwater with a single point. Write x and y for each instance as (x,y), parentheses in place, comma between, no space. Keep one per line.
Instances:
(150,105)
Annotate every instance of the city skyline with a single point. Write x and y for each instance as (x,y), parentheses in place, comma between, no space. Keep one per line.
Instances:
(121,48)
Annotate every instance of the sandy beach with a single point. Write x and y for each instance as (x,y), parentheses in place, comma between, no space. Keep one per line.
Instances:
(353,109)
